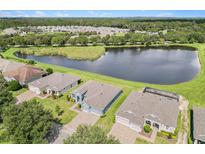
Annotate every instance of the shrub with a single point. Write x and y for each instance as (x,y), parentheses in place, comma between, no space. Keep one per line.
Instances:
(79,106)
(68,98)
(167,134)
(49,71)
(32,62)
(58,110)
(14,85)
(147,128)
(44,92)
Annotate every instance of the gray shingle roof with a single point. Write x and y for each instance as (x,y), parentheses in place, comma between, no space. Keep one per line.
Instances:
(139,106)
(56,81)
(199,123)
(98,95)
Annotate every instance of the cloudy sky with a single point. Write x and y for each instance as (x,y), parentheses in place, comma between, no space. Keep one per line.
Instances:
(101,13)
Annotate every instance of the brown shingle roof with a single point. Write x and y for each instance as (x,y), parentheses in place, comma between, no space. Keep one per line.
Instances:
(25,73)
(98,95)
(6,66)
(199,123)
(139,106)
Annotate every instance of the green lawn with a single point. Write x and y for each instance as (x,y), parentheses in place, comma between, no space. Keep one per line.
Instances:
(193,91)
(51,103)
(141,141)
(108,119)
(18,92)
(161,140)
(81,53)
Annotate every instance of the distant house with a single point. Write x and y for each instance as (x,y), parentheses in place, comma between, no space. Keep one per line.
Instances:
(24,74)
(56,83)
(6,65)
(96,97)
(198,125)
(153,107)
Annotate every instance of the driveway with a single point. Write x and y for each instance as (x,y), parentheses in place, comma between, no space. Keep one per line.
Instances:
(123,133)
(68,129)
(26,96)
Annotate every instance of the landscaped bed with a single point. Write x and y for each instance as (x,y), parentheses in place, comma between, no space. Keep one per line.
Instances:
(193,90)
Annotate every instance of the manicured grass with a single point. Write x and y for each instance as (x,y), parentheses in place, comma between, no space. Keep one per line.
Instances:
(193,91)
(141,141)
(51,103)
(80,53)
(161,140)
(107,120)
(18,92)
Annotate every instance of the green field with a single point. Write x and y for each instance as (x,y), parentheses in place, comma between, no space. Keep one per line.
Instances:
(80,53)
(193,91)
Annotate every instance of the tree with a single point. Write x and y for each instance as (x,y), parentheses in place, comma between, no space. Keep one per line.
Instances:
(14,85)
(27,123)
(6,97)
(49,71)
(90,135)
(58,40)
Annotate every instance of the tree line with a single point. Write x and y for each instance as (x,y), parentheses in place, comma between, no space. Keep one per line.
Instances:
(83,40)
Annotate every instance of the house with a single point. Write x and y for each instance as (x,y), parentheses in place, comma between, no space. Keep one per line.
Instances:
(56,83)
(24,74)
(198,125)
(96,97)
(6,65)
(153,107)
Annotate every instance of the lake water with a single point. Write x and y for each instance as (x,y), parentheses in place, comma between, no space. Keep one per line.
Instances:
(158,66)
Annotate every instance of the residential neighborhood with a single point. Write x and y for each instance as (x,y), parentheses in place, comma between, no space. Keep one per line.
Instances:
(102,81)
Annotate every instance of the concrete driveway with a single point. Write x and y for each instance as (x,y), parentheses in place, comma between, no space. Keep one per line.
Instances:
(81,118)
(123,133)
(26,96)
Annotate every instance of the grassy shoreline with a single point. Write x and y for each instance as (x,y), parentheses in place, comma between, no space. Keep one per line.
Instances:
(77,53)
(193,91)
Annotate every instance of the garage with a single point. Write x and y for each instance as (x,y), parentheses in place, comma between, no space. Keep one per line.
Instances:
(122,120)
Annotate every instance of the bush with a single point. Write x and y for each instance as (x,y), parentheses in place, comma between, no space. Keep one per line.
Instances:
(32,62)
(68,98)
(14,85)
(167,134)
(58,110)
(44,92)
(147,128)
(49,71)
(79,106)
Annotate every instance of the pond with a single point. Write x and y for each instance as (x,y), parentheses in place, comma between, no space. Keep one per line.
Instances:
(149,65)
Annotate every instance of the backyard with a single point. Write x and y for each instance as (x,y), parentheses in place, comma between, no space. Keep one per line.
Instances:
(193,90)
